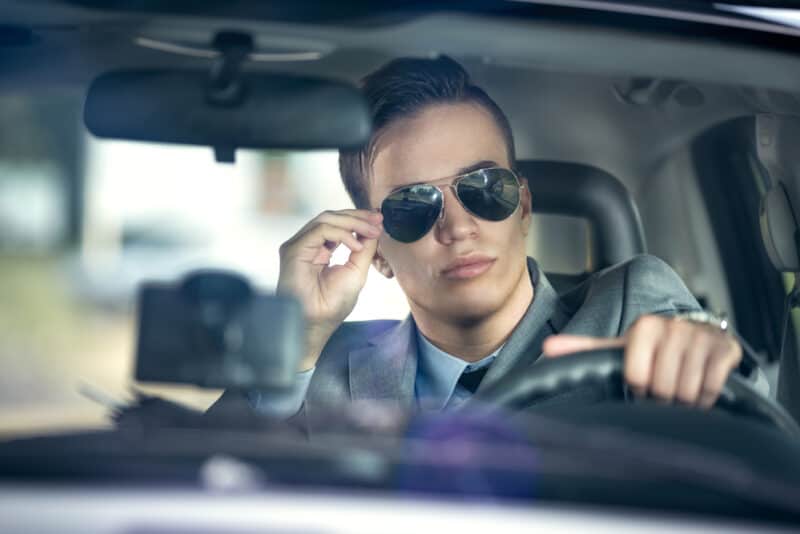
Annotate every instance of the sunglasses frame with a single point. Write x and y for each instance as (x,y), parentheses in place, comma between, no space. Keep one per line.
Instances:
(451,183)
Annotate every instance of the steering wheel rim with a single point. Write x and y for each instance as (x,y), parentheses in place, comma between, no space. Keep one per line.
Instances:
(549,377)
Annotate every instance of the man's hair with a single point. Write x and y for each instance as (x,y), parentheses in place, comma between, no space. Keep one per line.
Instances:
(401,89)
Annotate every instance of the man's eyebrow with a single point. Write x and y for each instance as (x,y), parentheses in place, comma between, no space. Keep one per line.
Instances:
(485,164)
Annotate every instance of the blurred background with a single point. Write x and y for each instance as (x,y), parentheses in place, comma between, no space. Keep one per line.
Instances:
(84,221)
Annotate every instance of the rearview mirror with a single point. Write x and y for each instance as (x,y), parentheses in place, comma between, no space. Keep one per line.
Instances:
(265,111)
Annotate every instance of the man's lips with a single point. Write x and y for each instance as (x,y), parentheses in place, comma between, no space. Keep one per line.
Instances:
(469,267)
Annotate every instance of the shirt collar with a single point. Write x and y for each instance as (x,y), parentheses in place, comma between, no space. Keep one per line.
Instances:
(438,373)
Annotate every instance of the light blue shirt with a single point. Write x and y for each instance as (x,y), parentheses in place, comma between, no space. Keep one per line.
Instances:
(435,388)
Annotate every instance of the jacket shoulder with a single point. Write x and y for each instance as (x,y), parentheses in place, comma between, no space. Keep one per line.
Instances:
(352,335)
(645,284)
(354,332)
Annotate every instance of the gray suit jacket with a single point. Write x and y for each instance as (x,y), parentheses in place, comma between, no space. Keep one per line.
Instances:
(377,360)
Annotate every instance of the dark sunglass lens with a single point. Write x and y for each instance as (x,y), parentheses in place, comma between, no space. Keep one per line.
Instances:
(491,194)
(409,213)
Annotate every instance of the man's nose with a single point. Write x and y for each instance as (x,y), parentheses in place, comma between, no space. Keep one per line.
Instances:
(455,223)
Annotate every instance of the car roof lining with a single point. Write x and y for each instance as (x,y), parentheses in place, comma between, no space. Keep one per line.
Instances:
(539,44)
(573,69)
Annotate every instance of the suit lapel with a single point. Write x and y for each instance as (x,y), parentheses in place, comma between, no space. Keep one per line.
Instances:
(385,368)
(546,315)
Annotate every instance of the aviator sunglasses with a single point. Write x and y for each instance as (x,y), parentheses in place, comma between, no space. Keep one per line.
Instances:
(411,211)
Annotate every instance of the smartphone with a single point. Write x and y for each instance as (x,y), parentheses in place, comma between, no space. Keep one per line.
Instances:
(214,330)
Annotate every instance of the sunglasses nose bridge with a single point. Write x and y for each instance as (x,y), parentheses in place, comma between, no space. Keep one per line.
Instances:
(443,211)
(453,187)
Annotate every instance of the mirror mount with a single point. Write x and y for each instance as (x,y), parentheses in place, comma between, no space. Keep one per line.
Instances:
(226,84)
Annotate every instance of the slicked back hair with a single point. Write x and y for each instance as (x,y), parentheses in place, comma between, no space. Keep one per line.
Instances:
(401,89)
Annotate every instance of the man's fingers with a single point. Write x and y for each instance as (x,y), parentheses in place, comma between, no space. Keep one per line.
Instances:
(362,259)
(720,364)
(367,216)
(361,214)
(693,368)
(643,338)
(368,225)
(716,373)
(562,344)
(331,236)
(668,358)
(361,222)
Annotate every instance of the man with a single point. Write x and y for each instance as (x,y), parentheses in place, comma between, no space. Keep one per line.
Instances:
(439,207)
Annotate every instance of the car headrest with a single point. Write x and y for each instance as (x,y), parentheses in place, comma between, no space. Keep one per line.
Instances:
(578,190)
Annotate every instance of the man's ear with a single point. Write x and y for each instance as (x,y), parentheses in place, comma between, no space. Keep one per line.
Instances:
(381,265)
(526,207)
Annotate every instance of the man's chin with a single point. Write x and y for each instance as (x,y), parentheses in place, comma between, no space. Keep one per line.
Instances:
(468,306)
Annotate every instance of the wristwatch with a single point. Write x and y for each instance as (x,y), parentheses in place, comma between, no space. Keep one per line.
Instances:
(704,317)
(751,360)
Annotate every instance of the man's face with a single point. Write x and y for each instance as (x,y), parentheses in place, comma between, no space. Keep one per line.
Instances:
(443,141)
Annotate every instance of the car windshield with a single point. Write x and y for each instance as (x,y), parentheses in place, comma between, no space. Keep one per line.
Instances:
(85,225)
(596,189)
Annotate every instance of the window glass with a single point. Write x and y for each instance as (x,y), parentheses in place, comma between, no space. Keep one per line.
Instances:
(81,226)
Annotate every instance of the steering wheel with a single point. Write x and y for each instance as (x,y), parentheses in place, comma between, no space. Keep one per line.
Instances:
(549,377)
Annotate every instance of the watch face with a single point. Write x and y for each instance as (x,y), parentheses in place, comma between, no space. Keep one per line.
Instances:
(704,317)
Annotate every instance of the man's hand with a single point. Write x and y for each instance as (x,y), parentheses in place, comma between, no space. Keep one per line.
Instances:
(327,292)
(669,358)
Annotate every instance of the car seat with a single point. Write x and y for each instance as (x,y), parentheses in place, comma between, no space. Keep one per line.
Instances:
(578,190)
